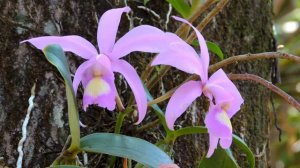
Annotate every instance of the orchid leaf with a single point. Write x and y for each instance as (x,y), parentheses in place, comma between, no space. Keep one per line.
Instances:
(244,147)
(160,114)
(222,158)
(182,7)
(146,1)
(236,140)
(126,147)
(55,55)
(213,47)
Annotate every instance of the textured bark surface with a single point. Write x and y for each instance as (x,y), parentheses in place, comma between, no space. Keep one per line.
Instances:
(242,27)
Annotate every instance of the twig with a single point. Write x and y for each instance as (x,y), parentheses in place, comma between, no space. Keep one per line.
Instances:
(150,11)
(24,127)
(147,126)
(248,57)
(207,19)
(268,85)
(181,29)
(275,118)
(233,59)
(168,16)
(203,7)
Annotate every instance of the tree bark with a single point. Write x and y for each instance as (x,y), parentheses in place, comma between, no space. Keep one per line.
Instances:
(242,27)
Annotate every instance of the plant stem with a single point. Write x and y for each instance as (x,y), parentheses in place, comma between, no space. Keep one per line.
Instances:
(208,18)
(268,85)
(194,16)
(248,57)
(230,60)
(183,27)
(147,126)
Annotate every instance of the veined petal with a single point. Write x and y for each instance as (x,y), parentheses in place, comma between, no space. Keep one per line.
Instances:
(135,84)
(181,100)
(143,38)
(204,56)
(219,127)
(101,92)
(74,44)
(220,78)
(181,56)
(108,27)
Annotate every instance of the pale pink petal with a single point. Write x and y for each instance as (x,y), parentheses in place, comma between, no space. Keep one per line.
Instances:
(226,142)
(99,65)
(219,127)
(79,74)
(220,78)
(135,84)
(101,92)
(181,100)
(204,56)
(108,28)
(181,56)
(75,44)
(142,38)
(213,144)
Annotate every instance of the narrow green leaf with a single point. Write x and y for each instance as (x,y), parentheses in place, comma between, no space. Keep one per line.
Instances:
(244,147)
(146,1)
(56,56)
(213,47)
(236,140)
(126,147)
(190,130)
(221,158)
(182,7)
(160,114)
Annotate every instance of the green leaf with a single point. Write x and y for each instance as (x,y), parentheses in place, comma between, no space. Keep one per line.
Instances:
(244,147)
(236,140)
(182,7)
(221,158)
(190,130)
(56,56)
(126,147)
(146,1)
(158,111)
(213,47)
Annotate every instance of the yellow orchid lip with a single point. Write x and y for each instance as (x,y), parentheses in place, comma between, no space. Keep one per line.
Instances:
(97,87)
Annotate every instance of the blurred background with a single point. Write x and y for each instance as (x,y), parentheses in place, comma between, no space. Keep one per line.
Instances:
(287,33)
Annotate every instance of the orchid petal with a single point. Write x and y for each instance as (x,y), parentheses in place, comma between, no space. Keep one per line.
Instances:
(79,74)
(204,56)
(181,100)
(142,38)
(108,27)
(75,44)
(101,92)
(219,127)
(220,78)
(96,66)
(135,84)
(213,143)
(182,56)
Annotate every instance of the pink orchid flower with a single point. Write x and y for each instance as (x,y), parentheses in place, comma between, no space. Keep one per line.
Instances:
(96,74)
(225,99)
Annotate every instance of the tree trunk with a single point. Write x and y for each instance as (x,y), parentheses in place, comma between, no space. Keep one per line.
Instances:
(242,27)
